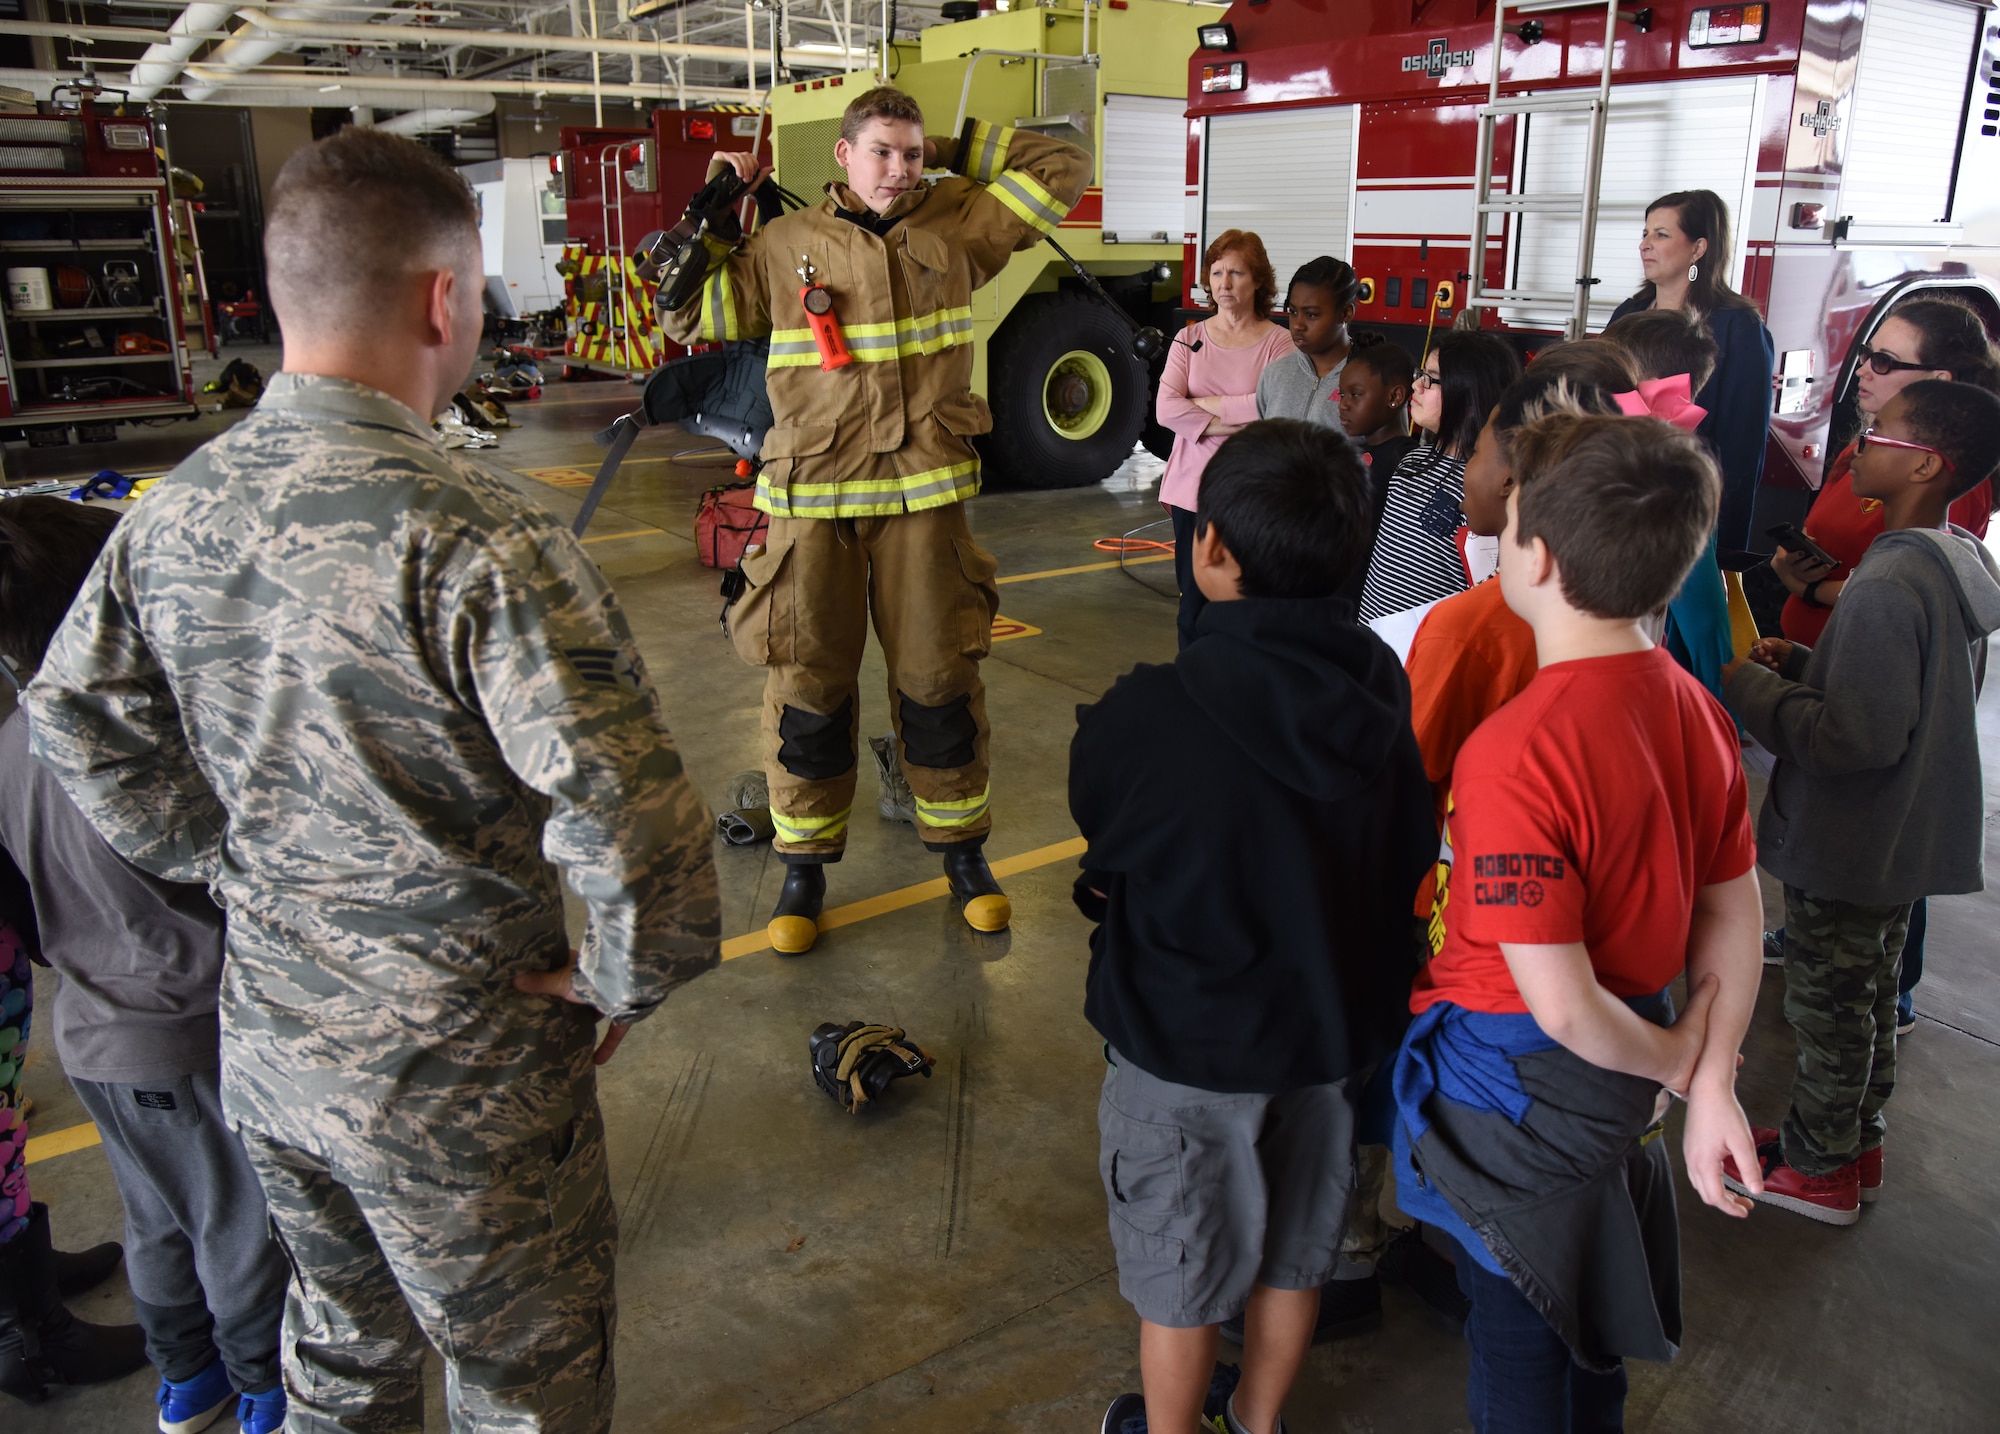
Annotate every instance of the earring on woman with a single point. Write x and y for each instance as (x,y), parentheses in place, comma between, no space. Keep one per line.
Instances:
(1694,272)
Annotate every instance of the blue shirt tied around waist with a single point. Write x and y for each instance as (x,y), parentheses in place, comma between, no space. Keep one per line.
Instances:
(1468,1057)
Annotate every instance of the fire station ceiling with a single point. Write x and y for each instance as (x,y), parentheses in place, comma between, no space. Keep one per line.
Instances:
(435,65)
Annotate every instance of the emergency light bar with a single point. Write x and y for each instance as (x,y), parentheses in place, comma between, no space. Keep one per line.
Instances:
(1218,79)
(1217,37)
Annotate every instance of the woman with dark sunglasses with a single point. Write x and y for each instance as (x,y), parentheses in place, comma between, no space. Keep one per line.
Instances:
(1921,338)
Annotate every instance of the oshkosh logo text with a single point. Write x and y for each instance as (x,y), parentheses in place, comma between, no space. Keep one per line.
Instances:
(1437,59)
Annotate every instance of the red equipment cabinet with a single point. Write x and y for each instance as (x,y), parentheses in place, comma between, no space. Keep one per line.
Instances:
(84,202)
(648,175)
(1854,141)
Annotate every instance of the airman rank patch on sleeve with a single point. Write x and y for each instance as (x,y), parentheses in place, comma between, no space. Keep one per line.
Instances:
(603,667)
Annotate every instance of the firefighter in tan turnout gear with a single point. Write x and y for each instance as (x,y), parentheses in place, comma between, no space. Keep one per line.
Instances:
(866,300)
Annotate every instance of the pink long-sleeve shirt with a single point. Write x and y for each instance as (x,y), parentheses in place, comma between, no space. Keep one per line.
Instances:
(1212,372)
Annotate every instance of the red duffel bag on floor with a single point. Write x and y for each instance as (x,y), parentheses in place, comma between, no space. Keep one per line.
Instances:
(726,523)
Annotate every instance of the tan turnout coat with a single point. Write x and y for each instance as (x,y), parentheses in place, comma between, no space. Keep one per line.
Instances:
(890,432)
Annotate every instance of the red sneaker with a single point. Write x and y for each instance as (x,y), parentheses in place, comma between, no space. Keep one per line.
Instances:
(1869,1167)
(1831,1199)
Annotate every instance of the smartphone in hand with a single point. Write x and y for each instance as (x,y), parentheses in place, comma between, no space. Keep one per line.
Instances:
(1792,540)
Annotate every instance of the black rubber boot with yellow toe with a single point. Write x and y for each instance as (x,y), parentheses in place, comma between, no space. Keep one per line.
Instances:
(986,905)
(794,925)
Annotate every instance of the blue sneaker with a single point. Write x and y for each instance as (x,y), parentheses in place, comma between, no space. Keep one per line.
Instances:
(1906,1013)
(190,1405)
(1127,1414)
(263,1413)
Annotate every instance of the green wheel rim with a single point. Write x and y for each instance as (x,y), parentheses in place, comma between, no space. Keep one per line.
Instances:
(1076,395)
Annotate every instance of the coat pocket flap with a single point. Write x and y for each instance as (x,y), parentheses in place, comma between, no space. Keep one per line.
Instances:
(963,414)
(760,564)
(927,249)
(800,440)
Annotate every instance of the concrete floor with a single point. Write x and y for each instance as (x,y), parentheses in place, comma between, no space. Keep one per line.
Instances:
(942,1264)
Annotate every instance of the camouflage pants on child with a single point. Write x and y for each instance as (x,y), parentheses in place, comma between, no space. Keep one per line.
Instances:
(1841,964)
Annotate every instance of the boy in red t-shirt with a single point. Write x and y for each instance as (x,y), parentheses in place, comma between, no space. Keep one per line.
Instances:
(1601,845)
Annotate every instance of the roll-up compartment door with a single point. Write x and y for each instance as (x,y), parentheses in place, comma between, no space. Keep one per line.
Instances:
(1286,175)
(1905,116)
(1687,134)
(1145,168)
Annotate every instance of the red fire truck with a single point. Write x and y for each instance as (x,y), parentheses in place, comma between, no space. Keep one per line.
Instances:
(648,175)
(93,333)
(1854,140)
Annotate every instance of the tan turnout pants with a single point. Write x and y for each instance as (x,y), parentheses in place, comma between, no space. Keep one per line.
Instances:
(804,617)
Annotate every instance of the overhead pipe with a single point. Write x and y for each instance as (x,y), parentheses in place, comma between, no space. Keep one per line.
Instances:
(161,65)
(815,56)
(338,90)
(171,46)
(425,120)
(399,95)
(244,51)
(123,34)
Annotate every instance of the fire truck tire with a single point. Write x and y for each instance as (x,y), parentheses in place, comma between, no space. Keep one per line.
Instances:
(1068,398)
(1157,438)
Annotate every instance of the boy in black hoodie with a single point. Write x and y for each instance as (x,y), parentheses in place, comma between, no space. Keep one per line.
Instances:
(1258,819)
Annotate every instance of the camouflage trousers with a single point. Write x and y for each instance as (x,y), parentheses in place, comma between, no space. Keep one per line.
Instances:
(510,1278)
(1841,964)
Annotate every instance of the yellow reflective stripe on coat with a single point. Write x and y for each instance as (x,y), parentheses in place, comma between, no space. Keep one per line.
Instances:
(951,815)
(718,301)
(1021,192)
(933,488)
(987,152)
(810,828)
(877,343)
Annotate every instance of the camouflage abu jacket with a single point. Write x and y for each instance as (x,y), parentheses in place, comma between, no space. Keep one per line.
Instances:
(890,432)
(375,698)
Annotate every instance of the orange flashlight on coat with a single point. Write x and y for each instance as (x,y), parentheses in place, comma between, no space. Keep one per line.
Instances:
(818,304)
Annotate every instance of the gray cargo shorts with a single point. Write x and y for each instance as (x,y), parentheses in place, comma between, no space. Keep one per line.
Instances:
(1213,1193)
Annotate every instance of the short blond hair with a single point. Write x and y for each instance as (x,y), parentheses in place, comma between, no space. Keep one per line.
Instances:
(883,102)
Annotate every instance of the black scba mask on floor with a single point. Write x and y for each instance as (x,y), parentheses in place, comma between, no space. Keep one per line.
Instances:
(856,1062)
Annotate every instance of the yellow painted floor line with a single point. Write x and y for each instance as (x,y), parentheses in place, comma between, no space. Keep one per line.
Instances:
(752,942)
(82,1137)
(62,1142)
(1087,568)
(614,537)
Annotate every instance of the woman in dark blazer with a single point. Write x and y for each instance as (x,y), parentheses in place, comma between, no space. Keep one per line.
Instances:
(1685,254)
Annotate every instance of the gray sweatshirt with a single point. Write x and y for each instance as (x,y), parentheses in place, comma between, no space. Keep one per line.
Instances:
(1877,797)
(1289,387)
(140,958)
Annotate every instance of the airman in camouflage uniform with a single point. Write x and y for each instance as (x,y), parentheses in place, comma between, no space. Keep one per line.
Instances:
(363,689)
(375,699)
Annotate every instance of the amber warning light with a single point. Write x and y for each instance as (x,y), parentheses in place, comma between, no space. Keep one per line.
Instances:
(1216,79)
(1727,25)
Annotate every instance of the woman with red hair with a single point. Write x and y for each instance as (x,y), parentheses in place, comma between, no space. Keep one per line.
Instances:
(1209,390)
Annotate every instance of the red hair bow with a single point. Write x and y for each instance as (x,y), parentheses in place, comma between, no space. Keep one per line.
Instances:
(1669,399)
